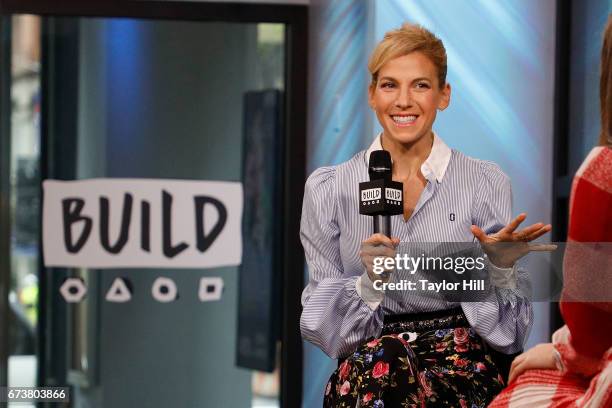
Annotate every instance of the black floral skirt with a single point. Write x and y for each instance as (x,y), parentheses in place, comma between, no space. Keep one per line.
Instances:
(426,360)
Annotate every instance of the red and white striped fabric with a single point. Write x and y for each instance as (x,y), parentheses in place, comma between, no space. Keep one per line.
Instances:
(584,344)
(554,388)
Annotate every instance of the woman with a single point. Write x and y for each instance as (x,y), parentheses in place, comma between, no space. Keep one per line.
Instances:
(575,370)
(410,349)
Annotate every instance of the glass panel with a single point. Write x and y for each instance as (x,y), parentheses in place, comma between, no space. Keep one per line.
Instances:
(157,100)
(25,199)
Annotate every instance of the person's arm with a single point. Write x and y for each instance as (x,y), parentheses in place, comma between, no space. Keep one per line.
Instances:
(505,315)
(334,317)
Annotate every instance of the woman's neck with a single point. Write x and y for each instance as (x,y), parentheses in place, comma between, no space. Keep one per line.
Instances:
(408,158)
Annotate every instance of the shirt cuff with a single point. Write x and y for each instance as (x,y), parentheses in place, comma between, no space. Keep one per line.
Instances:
(365,290)
(502,277)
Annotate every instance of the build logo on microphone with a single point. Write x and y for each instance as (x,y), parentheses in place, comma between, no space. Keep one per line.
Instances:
(371,196)
(380,196)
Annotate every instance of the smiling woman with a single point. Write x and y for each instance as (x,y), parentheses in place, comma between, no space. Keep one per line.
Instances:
(408,83)
(407,96)
(408,87)
(409,347)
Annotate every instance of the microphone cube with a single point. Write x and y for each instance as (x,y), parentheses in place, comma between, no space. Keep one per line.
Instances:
(381,197)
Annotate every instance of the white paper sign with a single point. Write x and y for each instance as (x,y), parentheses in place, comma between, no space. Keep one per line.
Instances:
(142,223)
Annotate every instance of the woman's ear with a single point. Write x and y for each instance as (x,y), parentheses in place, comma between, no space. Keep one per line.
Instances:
(371,90)
(445,99)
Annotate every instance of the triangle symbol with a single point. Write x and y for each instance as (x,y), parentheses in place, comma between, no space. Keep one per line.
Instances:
(119,292)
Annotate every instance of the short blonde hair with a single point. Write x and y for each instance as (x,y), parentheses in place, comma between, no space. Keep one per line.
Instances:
(404,40)
(605,86)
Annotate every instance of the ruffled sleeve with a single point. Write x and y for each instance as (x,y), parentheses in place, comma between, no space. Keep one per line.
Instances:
(334,317)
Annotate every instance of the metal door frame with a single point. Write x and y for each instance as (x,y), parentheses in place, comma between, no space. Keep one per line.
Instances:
(5,197)
(295,17)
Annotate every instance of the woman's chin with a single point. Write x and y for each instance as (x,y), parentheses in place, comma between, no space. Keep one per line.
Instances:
(405,136)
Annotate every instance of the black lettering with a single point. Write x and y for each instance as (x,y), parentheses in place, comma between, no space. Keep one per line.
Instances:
(72,214)
(145,226)
(170,251)
(126,217)
(205,241)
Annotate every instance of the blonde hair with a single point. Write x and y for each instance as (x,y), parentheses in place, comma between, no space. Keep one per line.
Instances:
(404,40)
(605,86)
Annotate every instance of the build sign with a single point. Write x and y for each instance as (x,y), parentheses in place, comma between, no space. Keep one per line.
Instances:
(142,223)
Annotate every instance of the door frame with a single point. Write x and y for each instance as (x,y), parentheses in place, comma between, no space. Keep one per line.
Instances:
(5,196)
(561,146)
(295,18)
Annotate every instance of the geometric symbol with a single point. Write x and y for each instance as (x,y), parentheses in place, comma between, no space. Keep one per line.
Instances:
(73,290)
(210,289)
(164,290)
(119,291)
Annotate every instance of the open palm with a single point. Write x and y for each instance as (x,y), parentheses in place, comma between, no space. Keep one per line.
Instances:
(508,245)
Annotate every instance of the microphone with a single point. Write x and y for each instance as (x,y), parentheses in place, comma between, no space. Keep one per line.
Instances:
(381,197)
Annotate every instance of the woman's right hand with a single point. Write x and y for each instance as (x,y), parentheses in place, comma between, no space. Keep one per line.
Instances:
(378,245)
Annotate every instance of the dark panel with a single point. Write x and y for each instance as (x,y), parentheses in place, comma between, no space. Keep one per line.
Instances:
(5,167)
(296,43)
(59,75)
(561,144)
(260,271)
(174,10)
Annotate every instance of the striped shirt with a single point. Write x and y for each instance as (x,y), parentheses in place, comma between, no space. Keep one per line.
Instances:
(336,317)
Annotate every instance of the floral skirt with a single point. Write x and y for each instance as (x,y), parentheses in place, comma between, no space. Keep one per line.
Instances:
(431,359)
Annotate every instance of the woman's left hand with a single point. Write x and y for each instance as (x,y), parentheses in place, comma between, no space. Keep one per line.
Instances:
(507,246)
(540,357)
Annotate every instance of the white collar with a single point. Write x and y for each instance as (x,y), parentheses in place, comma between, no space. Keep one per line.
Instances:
(436,163)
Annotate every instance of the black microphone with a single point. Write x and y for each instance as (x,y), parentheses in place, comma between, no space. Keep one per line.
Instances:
(381,197)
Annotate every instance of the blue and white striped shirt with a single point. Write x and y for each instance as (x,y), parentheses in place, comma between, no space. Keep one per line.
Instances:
(336,317)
